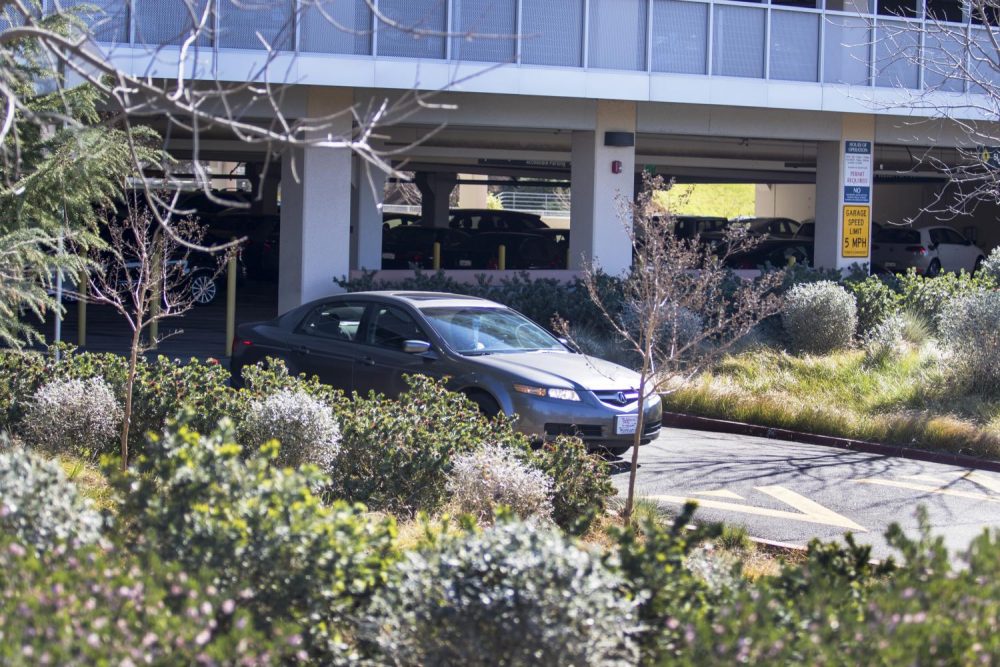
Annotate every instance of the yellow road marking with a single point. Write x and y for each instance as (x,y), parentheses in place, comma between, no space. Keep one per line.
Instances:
(808,511)
(720,493)
(930,489)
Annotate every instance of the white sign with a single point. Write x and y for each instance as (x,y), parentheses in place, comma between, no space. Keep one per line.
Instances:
(857,172)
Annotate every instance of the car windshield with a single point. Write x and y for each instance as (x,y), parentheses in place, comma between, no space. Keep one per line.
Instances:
(475,331)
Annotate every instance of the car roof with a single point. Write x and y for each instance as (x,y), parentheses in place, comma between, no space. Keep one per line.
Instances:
(419,299)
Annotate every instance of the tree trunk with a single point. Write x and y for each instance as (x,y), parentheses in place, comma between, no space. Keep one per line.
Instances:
(639,426)
(129,384)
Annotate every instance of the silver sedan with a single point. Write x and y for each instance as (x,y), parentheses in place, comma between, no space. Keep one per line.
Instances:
(504,362)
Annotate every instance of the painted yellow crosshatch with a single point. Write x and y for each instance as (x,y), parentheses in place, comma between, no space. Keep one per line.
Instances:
(857,231)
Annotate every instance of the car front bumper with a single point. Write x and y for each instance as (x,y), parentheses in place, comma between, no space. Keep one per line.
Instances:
(543,418)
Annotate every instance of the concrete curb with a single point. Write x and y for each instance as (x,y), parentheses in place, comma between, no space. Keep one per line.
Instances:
(680,420)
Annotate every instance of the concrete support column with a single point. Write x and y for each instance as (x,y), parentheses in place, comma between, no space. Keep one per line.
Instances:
(367,237)
(435,195)
(473,196)
(839,197)
(603,176)
(316,209)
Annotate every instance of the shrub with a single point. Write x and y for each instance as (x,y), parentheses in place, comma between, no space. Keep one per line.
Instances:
(516,594)
(395,454)
(819,317)
(73,416)
(882,343)
(876,301)
(927,297)
(260,528)
(970,327)
(990,268)
(581,483)
(494,475)
(98,607)
(21,374)
(304,426)
(916,329)
(39,508)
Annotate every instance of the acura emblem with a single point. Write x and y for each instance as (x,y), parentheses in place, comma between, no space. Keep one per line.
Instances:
(621,397)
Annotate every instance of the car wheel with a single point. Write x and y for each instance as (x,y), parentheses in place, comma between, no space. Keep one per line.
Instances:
(487,406)
(933,269)
(978,265)
(204,288)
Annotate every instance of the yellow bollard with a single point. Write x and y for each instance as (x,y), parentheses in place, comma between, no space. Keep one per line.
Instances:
(230,303)
(81,312)
(437,256)
(502,257)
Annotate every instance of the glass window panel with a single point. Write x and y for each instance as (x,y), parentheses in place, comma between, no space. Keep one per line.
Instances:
(489,18)
(896,53)
(336,26)
(241,21)
(680,37)
(106,19)
(983,64)
(618,34)
(846,50)
(738,47)
(552,32)
(943,58)
(794,46)
(420,31)
(172,21)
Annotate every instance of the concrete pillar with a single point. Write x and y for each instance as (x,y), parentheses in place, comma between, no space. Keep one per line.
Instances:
(366,252)
(435,195)
(838,197)
(473,196)
(264,180)
(316,208)
(602,177)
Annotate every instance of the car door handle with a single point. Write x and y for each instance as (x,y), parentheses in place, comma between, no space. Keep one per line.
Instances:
(367,361)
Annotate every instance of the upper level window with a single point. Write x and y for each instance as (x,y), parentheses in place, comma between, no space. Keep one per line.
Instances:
(901,8)
(945,10)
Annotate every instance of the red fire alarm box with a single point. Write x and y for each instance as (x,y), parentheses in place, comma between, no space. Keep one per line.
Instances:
(616,166)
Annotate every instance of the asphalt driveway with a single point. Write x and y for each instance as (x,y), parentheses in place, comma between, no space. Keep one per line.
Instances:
(792,492)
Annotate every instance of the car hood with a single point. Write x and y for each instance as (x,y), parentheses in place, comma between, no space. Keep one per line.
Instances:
(559,369)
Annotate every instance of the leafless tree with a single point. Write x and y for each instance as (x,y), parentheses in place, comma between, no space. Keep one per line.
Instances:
(682,307)
(956,59)
(145,275)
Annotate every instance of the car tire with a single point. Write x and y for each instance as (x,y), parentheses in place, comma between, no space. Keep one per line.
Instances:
(978,265)
(486,404)
(204,288)
(933,269)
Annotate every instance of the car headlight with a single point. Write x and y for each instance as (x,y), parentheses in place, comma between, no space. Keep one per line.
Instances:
(551,392)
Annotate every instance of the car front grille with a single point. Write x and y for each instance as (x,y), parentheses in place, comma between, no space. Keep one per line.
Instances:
(618,398)
(582,430)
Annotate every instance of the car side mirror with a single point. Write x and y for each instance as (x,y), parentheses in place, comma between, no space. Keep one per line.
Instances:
(416,346)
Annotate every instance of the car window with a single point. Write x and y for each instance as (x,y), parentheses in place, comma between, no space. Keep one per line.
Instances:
(336,321)
(951,236)
(391,326)
(897,235)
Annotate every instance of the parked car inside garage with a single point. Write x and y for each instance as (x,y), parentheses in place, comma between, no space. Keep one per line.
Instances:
(929,250)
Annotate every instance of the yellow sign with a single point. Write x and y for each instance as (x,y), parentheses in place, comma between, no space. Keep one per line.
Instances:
(857,231)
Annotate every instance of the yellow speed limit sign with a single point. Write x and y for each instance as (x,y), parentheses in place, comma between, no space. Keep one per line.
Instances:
(857,231)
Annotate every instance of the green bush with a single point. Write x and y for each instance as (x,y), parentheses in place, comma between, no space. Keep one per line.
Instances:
(261,529)
(970,328)
(990,268)
(516,594)
(876,301)
(71,416)
(819,317)
(395,454)
(97,607)
(581,483)
(305,427)
(927,296)
(39,507)
(882,343)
